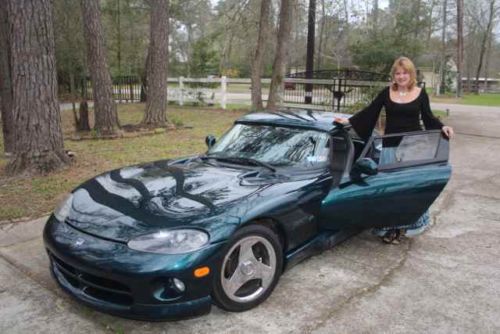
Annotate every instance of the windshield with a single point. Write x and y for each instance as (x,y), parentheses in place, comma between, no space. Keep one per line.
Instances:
(277,146)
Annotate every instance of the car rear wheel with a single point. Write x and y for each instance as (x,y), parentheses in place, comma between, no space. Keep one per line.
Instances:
(250,268)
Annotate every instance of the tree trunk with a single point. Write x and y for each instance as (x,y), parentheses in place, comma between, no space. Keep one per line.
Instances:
(320,37)
(72,95)
(279,64)
(226,56)
(82,122)
(431,23)
(189,31)
(38,137)
(106,117)
(311,32)
(375,16)
(484,43)
(119,37)
(346,14)
(144,81)
(460,45)
(416,10)
(442,66)
(487,57)
(5,82)
(156,102)
(257,63)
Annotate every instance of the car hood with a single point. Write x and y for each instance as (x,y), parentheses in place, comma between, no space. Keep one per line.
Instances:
(136,200)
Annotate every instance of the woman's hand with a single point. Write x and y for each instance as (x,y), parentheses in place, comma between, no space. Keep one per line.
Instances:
(341,120)
(448,131)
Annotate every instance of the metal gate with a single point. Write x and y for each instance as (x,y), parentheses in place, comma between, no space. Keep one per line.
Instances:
(339,90)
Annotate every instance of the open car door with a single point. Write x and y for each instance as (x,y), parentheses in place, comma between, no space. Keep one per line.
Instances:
(381,192)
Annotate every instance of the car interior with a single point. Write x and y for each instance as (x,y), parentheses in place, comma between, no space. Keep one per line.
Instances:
(342,157)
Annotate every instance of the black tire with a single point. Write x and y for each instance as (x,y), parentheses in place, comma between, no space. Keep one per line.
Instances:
(266,257)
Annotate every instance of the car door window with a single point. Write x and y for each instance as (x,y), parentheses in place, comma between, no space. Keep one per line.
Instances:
(407,149)
(419,147)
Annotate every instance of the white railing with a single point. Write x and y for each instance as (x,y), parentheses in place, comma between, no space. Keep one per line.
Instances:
(210,96)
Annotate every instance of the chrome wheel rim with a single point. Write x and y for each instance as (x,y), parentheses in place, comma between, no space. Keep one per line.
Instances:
(248,269)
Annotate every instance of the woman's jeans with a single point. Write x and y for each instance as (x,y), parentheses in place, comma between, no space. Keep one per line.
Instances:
(388,155)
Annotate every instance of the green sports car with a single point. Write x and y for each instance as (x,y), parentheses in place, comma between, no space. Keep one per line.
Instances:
(167,239)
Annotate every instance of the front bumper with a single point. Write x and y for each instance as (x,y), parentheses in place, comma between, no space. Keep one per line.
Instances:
(112,278)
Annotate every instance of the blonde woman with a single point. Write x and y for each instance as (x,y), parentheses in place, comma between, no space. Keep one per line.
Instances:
(405,105)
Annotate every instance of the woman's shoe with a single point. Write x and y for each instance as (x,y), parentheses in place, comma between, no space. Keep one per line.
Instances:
(392,237)
(402,234)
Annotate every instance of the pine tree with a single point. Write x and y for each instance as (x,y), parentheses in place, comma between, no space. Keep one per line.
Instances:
(38,140)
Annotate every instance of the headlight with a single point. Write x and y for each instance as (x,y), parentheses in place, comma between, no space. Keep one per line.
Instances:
(170,242)
(62,209)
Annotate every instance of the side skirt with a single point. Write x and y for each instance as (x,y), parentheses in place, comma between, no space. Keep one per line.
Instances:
(323,241)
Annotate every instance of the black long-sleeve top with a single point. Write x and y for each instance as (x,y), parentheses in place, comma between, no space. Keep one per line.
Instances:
(400,117)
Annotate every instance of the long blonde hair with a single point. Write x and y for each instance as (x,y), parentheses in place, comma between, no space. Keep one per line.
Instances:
(407,65)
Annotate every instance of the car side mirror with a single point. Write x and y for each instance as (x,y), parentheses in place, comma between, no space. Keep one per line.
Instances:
(210,140)
(363,166)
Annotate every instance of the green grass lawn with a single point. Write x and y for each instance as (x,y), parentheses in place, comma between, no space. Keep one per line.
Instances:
(489,99)
(486,99)
(245,88)
(439,113)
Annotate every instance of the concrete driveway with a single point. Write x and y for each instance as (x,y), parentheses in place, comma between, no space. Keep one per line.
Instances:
(445,281)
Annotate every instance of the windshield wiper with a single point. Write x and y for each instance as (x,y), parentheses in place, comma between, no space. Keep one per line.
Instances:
(241,160)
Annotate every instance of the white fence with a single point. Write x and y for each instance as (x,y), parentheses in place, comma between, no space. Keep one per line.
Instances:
(216,95)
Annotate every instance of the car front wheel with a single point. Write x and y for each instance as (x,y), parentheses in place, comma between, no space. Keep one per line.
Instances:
(250,268)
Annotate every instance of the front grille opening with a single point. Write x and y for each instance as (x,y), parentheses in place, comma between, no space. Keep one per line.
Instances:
(104,289)
(110,297)
(71,279)
(105,283)
(68,268)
